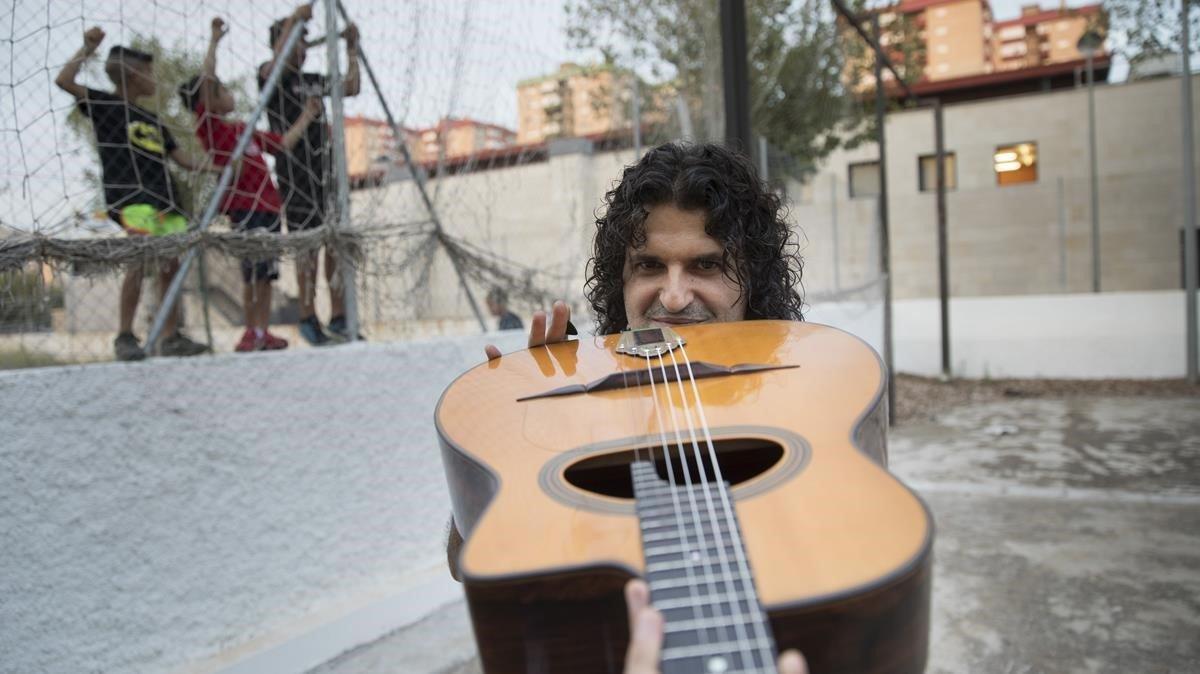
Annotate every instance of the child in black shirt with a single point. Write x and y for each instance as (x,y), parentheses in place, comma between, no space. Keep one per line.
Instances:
(138,188)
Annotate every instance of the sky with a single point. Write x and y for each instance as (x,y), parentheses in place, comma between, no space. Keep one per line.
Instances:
(434,58)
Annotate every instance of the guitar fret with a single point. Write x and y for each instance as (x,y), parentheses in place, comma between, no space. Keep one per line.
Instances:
(714,622)
(673,583)
(674,536)
(679,565)
(720,599)
(662,550)
(684,509)
(718,648)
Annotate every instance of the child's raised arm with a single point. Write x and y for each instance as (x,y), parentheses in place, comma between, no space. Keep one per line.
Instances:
(66,77)
(219,30)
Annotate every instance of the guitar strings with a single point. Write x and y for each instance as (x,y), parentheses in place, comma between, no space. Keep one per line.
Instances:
(744,644)
(680,529)
(697,521)
(765,640)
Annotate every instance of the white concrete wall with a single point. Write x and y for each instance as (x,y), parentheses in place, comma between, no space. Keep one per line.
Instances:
(155,516)
(1080,336)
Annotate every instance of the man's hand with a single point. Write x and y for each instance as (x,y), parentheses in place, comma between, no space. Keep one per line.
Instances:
(312,108)
(92,38)
(350,35)
(219,29)
(303,12)
(646,636)
(539,333)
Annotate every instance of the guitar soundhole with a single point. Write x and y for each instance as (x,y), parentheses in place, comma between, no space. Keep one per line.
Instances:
(740,459)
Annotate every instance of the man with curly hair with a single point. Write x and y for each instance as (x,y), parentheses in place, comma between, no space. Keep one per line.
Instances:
(691,234)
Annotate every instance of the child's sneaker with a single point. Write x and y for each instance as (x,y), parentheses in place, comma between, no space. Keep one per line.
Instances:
(340,330)
(126,347)
(179,344)
(249,342)
(310,330)
(273,343)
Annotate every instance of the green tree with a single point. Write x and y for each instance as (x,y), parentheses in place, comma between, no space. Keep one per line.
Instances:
(1143,29)
(803,65)
(172,67)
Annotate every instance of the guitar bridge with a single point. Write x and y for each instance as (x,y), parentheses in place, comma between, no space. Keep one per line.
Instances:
(649,342)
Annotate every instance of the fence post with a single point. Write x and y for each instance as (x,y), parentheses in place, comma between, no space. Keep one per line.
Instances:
(341,180)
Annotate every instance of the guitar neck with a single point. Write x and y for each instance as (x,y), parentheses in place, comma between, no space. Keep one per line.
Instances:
(699,577)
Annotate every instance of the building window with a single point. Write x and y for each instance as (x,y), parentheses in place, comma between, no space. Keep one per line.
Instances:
(864,179)
(1015,163)
(927,172)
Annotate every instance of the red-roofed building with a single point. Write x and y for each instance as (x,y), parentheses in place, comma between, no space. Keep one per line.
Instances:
(461,138)
(370,149)
(970,55)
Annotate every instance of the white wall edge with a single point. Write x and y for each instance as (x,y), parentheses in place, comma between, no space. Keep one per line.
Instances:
(318,639)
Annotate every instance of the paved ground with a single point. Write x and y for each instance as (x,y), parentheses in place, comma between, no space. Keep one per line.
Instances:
(1068,541)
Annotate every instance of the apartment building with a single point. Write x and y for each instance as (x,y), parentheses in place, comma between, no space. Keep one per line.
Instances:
(573,102)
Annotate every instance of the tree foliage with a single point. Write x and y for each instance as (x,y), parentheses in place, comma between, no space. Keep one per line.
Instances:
(1145,29)
(802,64)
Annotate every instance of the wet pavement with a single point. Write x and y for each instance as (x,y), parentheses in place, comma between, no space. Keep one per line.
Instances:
(1068,540)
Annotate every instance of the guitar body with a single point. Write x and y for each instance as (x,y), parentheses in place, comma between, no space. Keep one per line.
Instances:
(540,486)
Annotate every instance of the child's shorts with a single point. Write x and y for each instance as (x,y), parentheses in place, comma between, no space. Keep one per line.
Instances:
(257,270)
(146,219)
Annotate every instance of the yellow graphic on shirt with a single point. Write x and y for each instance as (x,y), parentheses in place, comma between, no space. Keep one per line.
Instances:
(146,136)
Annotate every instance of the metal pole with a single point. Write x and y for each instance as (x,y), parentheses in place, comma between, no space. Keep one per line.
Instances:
(341,179)
(210,211)
(637,119)
(417,173)
(735,75)
(202,274)
(939,132)
(763,169)
(1189,204)
(1095,180)
(884,242)
(1062,235)
(833,217)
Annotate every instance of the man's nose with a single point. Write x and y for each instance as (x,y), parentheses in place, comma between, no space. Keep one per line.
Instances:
(676,295)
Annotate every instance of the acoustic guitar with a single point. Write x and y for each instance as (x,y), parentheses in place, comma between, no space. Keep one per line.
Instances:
(738,467)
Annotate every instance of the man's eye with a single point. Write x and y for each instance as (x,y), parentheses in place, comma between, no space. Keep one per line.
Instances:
(647,265)
(708,265)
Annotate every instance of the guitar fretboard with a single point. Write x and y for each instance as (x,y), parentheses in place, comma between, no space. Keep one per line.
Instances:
(699,578)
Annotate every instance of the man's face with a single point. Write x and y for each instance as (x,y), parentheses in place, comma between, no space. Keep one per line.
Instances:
(139,78)
(678,277)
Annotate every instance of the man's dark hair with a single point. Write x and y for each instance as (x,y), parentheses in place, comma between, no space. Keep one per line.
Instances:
(277,31)
(760,251)
(119,52)
(189,92)
(498,295)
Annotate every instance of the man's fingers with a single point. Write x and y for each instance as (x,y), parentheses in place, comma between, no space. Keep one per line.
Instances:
(645,642)
(491,351)
(560,315)
(637,597)
(537,329)
(791,662)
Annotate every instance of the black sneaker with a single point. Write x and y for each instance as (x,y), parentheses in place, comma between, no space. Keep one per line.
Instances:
(310,330)
(339,328)
(178,344)
(127,347)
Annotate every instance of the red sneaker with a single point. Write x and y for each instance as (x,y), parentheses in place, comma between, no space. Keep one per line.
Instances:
(273,343)
(249,342)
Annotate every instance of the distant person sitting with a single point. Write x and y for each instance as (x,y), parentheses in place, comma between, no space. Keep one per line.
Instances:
(138,188)
(497,302)
(252,202)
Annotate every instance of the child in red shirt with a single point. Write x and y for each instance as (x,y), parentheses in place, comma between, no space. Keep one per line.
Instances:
(253,202)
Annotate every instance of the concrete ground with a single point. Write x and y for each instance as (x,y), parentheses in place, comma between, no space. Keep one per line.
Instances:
(1068,540)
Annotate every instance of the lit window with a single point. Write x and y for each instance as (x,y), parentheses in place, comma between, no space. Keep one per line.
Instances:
(927,172)
(864,179)
(1015,164)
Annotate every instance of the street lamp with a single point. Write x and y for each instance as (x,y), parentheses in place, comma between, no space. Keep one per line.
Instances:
(1089,45)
